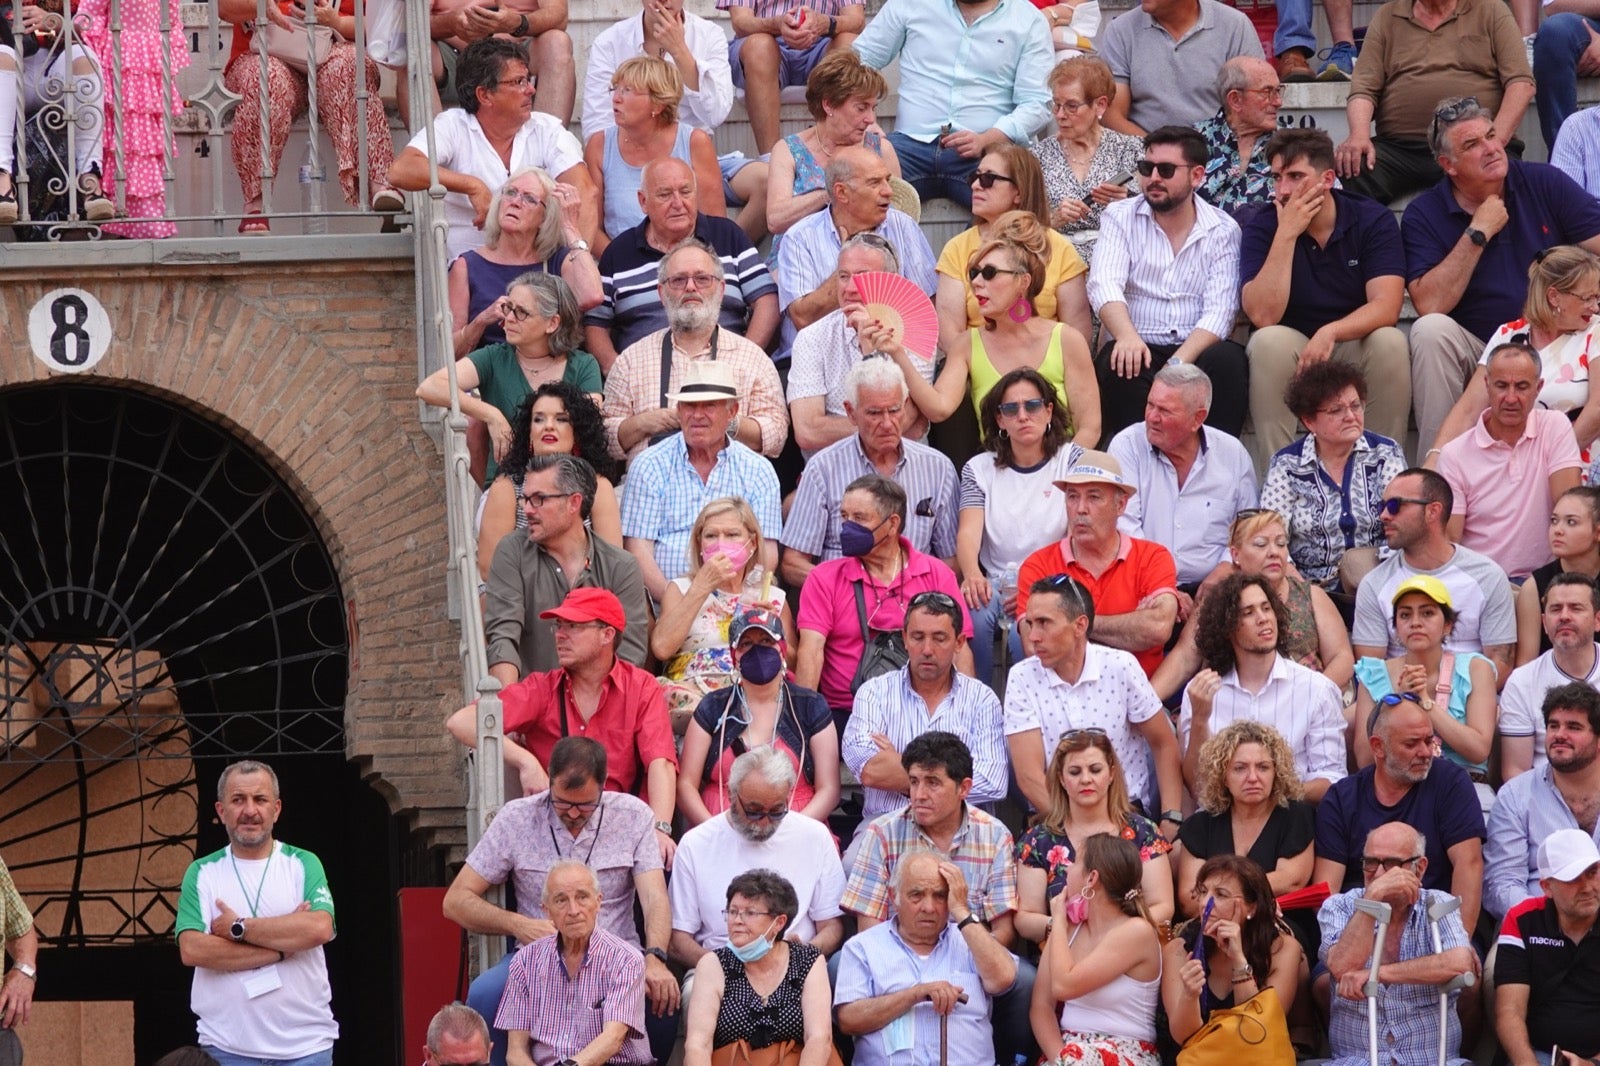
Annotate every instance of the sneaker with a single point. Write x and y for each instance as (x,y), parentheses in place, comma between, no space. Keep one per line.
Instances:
(1293,66)
(1341,62)
(96,205)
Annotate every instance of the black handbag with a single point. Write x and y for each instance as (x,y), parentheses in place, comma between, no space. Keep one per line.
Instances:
(883,651)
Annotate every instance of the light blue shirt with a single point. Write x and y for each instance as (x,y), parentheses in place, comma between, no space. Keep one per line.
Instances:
(878,962)
(889,705)
(987,75)
(1526,810)
(664,495)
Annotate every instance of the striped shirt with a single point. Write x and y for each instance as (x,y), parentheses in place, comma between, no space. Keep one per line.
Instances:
(664,495)
(563,1013)
(1169,296)
(932,498)
(630,266)
(889,705)
(1527,809)
(1301,704)
(1327,518)
(634,386)
(981,848)
(765,9)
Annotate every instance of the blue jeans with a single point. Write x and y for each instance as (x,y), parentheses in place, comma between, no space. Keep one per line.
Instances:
(933,170)
(487,988)
(320,1058)
(985,620)
(1562,39)
(1294,27)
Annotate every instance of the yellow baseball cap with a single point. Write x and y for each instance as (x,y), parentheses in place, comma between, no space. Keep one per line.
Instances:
(1426,584)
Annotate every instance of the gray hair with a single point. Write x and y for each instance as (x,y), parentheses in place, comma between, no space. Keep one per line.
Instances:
(874,243)
(554,300)
(839,171)
(246,766)
(1420,850)
(687,244)
(767,763)
(458,1022)
(561,866)
(548,238)
(875,374)
(1515,348)
(1188,379)
(1234,75)
(1439,129)
(899,878)
(573,475)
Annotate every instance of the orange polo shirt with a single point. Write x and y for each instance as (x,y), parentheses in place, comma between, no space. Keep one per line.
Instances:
(1140,568)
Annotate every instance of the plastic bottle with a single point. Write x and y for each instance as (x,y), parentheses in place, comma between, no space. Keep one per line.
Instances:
(313,187)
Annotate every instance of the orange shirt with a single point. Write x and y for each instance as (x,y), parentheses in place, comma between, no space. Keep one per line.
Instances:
(1140,568)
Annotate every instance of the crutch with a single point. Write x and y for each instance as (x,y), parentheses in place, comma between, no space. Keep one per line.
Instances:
(1380,913)
(944,1034)
(1442,907)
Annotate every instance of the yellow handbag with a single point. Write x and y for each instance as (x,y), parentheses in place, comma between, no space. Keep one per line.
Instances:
(1254,1032)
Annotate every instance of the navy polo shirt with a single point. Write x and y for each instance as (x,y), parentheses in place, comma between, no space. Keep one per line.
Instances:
(1327,283)
(1547,208)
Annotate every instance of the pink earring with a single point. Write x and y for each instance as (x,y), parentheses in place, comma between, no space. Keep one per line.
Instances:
(1021,311)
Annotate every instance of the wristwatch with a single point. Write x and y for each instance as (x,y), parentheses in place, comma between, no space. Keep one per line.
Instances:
(522,27)
(657,952)
(1477,236)
(1172,816)
(664,827)
(27,970)
(236,930)
(970,919)
(579,245)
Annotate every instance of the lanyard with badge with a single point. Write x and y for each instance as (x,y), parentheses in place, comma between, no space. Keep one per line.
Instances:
(262,979)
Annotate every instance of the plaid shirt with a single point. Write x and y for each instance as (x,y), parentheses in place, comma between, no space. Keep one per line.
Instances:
(563,1013)
(1408,1015)
(981,847)
(15,918)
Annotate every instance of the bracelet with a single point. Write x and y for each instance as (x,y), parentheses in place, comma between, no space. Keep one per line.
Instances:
(522,27)
(833,26)
(1249,975)
(1172,816)
(1432,451)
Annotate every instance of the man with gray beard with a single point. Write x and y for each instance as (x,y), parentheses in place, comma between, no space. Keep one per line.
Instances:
(758,830)
(636,410)
(1408,782)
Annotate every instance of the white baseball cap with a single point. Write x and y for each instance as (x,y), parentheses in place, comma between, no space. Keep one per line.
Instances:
(1566,854)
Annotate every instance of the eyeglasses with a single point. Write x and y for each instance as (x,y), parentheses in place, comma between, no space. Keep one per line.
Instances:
(518,196)
(538,499)
(1146,168)
(1354,407)
(1371,863)
(988,272)
(1590,299)
(1012,408)
(1071,107)
(1394,699)
(516,312)
(1392,505)
(1269,92)
(740,914)
(758,814)
(561,625)
(514,83)
(574,808)
(985,179)
(680,282)
(932,598)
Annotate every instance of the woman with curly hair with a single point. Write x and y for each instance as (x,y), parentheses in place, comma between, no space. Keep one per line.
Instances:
(555,418)
(1246,950)
(1251,804)
(1100,971)
(1088,795)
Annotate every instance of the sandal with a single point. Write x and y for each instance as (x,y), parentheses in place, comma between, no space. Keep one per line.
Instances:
(254,225)
(8,201)
(388,201)
(96,205)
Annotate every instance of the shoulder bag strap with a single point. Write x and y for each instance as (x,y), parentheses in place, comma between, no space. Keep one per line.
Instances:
(861,613)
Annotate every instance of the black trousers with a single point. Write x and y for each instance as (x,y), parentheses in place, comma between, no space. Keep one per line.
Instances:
(1122,399)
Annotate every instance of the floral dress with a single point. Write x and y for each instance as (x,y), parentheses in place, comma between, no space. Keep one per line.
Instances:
(1116,156)
(1051,852)
(705,662)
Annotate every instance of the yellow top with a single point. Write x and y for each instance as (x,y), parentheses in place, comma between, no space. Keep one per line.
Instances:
(1064,265)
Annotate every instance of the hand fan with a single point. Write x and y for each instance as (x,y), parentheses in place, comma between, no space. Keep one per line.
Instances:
(1308,898)
(901,307)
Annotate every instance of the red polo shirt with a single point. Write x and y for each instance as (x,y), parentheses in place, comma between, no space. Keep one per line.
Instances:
(1140,568)
(631,722)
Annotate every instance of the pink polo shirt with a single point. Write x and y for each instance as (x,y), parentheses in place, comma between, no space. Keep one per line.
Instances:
(1503,492)
(828,606)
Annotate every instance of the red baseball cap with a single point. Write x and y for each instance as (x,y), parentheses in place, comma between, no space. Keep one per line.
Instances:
(590,605)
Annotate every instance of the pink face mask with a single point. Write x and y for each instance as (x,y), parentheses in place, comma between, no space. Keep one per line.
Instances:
(737,553)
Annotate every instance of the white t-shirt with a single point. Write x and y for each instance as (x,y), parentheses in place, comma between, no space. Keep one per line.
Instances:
(714,853)
(704,108)
(1522,700)
(541,142)
(1565,375)
(290,1015)
(1112,693)
(1022,509)
(1485,613)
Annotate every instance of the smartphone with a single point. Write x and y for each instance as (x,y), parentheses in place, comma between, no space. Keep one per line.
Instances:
(1122,179)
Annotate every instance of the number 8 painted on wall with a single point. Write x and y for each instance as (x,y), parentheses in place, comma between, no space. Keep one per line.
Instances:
(69,330)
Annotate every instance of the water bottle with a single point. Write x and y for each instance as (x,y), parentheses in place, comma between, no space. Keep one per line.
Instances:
(1008,581)
(313,184)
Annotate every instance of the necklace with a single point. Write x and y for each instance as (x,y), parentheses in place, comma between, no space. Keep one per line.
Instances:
(536,374)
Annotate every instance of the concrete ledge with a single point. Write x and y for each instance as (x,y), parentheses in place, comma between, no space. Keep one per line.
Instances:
(206,251)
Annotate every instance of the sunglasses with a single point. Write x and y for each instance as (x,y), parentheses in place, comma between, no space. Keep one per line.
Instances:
(940,600)
(1072,736)
(985,179)
(988,272)
(1394,699)
(1073,589)
(1392,505)
(1146,168)
(1015,407)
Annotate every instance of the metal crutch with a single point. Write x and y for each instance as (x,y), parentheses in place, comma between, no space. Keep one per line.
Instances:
(1380,913)
(1441,907)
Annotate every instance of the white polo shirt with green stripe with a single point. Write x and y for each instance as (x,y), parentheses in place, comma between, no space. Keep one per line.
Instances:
(292,1020)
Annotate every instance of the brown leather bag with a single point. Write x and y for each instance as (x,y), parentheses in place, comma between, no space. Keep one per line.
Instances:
(783,1053)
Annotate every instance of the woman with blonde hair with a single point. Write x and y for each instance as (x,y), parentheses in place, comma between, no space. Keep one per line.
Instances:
(1251,803)
(1007,275)
(645,95)
(1088,796)
(1559,322)
(725,576)
(1100,973)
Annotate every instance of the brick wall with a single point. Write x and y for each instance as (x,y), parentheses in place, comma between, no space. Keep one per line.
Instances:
(313,364)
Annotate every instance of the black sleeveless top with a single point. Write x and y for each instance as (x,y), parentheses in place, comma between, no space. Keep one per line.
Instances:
(745,1017)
